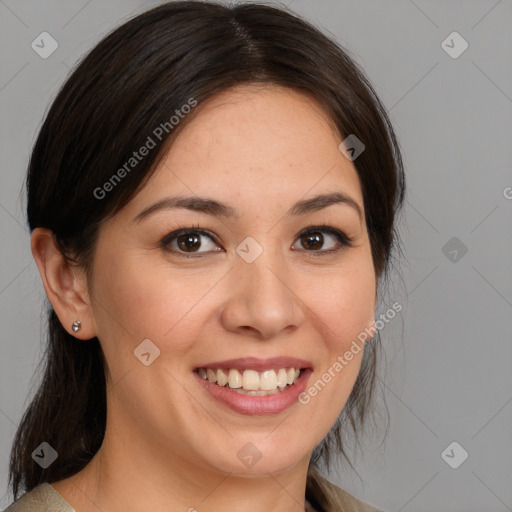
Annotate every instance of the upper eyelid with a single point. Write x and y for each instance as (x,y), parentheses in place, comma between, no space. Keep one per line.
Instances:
(331,230)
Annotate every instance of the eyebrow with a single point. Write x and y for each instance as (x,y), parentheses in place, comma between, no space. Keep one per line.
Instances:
(217,209)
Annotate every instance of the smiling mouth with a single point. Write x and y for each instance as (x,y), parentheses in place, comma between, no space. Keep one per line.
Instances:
(252,382)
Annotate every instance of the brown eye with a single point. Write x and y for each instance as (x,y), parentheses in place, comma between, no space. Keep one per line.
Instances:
(314,238)
(195,242)
(189,241)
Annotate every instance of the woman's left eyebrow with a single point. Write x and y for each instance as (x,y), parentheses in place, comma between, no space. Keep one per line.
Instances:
(218,209)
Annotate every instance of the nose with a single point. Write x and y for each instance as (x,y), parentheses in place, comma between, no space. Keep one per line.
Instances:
(262,300)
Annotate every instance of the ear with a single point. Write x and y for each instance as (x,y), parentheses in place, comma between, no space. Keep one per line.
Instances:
(65,285)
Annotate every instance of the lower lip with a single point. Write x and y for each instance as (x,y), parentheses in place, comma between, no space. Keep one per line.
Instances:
(253,405)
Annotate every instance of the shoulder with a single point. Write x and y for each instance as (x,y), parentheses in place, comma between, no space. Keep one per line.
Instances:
(345,502)
(43,498)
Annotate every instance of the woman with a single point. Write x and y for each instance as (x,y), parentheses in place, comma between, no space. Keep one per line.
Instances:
(212,200)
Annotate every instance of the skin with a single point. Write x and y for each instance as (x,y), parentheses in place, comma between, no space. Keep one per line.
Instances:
(167,442)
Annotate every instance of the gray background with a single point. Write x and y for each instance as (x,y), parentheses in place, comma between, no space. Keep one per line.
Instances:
(448,372)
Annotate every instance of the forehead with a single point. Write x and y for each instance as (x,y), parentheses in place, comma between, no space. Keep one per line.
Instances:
(254,142)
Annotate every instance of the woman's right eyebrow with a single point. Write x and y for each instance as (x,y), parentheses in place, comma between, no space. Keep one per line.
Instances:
(218,209)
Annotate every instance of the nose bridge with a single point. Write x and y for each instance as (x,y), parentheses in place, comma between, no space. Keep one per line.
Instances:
(258,263)
(267,274)
(262,295)
(265,264)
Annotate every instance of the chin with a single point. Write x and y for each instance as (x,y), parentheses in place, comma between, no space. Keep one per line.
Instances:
(258,458)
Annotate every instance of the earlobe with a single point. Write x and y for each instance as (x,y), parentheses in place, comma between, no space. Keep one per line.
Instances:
(66,292)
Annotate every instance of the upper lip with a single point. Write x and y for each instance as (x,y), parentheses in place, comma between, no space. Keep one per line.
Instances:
(254,363)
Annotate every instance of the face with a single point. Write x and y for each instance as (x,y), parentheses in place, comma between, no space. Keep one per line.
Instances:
(266,281)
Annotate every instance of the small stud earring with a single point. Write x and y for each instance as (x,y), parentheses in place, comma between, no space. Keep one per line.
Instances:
(76,326)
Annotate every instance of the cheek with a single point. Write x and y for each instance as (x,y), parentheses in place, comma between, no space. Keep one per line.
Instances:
(135,301)
(346,314)
(344,302)
(344,308)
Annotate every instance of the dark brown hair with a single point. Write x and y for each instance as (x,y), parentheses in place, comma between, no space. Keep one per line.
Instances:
(132,81)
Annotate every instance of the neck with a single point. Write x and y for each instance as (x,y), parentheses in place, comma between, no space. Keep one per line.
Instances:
(140,476)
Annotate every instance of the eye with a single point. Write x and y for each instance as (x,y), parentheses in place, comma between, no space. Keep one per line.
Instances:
(313,240)
(187,241)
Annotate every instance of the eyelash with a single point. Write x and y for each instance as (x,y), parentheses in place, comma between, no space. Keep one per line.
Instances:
(343,239)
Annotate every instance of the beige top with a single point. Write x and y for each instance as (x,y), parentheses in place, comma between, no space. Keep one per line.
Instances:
(44,498)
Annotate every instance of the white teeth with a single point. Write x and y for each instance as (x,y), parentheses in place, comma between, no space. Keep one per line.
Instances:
(222,378)
(268,380)
(234,379)
(282,378)
(251,382)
